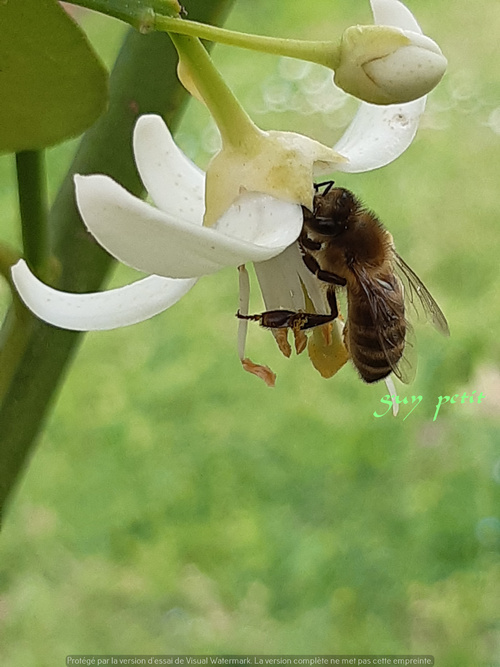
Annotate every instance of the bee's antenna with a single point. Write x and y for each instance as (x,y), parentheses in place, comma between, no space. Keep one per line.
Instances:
(328,186)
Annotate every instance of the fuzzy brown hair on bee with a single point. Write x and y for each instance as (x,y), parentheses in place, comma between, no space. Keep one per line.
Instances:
(345,233)
(346,246)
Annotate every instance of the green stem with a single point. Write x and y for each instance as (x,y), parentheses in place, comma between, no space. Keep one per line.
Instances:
(14,336)
(146,15)
(33,207)
(139,14)
(17,325)
(233,122)
(16,328)
(325,53)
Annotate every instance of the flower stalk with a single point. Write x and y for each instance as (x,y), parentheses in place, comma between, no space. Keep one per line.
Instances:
(234,124)
(33,207)
(325,53)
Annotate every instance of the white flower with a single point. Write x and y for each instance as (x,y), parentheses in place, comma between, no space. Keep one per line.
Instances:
(169,241)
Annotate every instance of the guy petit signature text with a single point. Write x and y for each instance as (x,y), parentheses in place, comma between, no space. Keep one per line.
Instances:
(415,401)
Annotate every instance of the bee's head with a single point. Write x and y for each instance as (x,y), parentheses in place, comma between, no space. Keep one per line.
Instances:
(351,228)
(334,212)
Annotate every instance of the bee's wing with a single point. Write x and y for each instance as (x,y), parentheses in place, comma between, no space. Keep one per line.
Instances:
(419,297)
(385,300)
(406,367)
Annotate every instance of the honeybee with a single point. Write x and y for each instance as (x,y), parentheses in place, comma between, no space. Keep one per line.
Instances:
(346,246)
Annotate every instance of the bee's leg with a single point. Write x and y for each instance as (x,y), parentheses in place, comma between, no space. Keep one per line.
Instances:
(332,301)
(334,313)
(301,321)
(288,319)
(325,276)
(306,243)
(272,319)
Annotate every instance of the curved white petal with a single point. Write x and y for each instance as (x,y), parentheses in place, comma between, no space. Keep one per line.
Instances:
(280,283)
(98,310)
(176,185)
(284,279)
(377,134)
(259,218)
(312,285)
(394,13)
(244,302)
(256,228)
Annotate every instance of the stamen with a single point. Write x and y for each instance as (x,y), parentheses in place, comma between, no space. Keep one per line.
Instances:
(263,372)
(327,353)
(300,336)
(244,302)
(300,340)
(281,337)
(327,333)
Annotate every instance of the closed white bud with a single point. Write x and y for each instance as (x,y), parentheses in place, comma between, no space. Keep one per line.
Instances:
(386,65)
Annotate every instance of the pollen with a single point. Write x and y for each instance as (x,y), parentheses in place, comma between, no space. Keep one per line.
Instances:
(327,351)
(262,372)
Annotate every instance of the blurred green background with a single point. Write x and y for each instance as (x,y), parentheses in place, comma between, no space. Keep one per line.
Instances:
(175,504)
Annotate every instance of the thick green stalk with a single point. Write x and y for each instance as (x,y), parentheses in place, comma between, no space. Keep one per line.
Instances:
(143,81)
(33,209)
(32,189)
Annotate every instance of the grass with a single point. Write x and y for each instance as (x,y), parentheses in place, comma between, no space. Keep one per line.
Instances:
(177,505)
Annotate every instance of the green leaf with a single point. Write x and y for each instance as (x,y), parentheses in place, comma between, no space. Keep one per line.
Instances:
(52,85)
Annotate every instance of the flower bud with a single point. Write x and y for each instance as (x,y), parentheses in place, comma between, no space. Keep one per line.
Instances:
(386,65)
